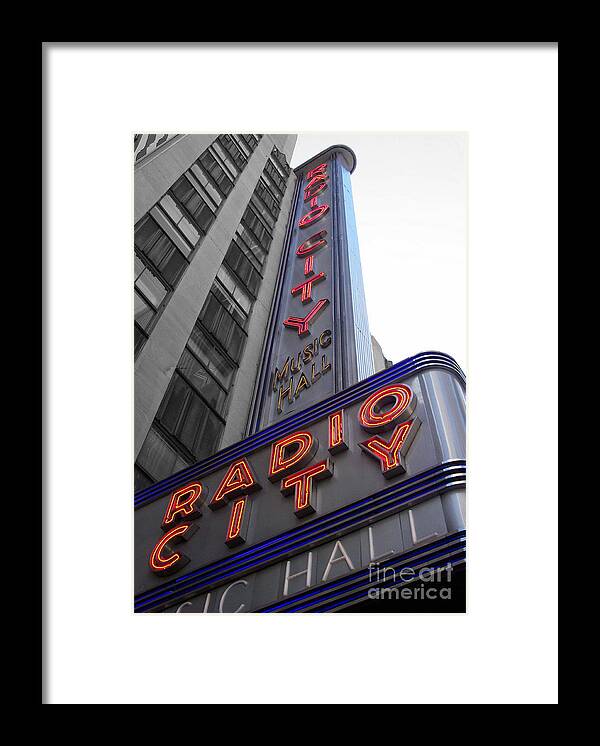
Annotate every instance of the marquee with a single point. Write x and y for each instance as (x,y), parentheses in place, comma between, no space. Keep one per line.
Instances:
(376,471)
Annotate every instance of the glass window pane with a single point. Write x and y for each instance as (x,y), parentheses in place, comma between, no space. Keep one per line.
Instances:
(193,203)
(253,246)
(146,232)
(235,288)
(143,313)
(173,404)
(236,342)
(160,250)
(202,381)
(180,219)
(212,358)
(158,458)
(201,430)
(207,439)
(263,210)
(227,302)
(242,267)
(205,182)
(151,287)
(141,481)
(138,266)
(139,340)
(173,267)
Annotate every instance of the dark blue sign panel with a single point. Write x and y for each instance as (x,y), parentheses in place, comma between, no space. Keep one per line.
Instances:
(318,341)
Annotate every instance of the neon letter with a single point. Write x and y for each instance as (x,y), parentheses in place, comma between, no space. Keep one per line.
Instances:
(311,217)
(162,565)
(295,322)
(306,286)
(403,403)
(301,485)
(336,432)
(294,450)
(238,480)
(390,454)
(179,507)
(238,523)
(316,241)
(320,169)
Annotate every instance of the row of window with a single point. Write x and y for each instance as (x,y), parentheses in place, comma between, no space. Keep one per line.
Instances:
(167,236)
(191,418)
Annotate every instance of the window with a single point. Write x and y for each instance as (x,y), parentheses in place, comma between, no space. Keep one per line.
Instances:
(247,143)
(197,208)
(226,146)
(157,460)
(239,263)
(214,360)
(250,245)
(235,289)
(190,207)
(276,180)
(151,241)
(149,294)
(187,417)
(202,381)
(253,222)
(265,203)
(158,265)
(250,140)
(193,408)
(215,173)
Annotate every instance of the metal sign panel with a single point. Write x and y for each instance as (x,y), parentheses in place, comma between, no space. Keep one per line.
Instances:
(378,467)
(318,341)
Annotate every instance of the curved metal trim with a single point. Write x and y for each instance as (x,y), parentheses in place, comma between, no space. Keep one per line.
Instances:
(405,368)
(348,154)
(447,476)
(449,548)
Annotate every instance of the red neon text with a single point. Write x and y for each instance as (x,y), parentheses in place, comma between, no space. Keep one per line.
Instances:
(306,286)
(295,322)
(372,415)
(302,487)
(389,453)
(163,565)
(315,214)
(336,432)
(182,504)
(293,450)
(316,241)
(234,535)
(238,480)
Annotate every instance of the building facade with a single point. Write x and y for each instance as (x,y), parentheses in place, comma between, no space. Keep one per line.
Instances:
(282,462)
(210,217)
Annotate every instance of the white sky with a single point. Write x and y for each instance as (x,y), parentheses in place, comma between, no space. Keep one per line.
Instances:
(410,199)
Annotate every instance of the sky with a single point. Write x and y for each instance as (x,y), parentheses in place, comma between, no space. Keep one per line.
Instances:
(410,200)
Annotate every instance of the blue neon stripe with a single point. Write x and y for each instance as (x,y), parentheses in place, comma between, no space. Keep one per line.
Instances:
(364,592)
(410,366)
(186,584)
(447,470)
(377,504)
(264,437)
(350,580)
(213,577)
